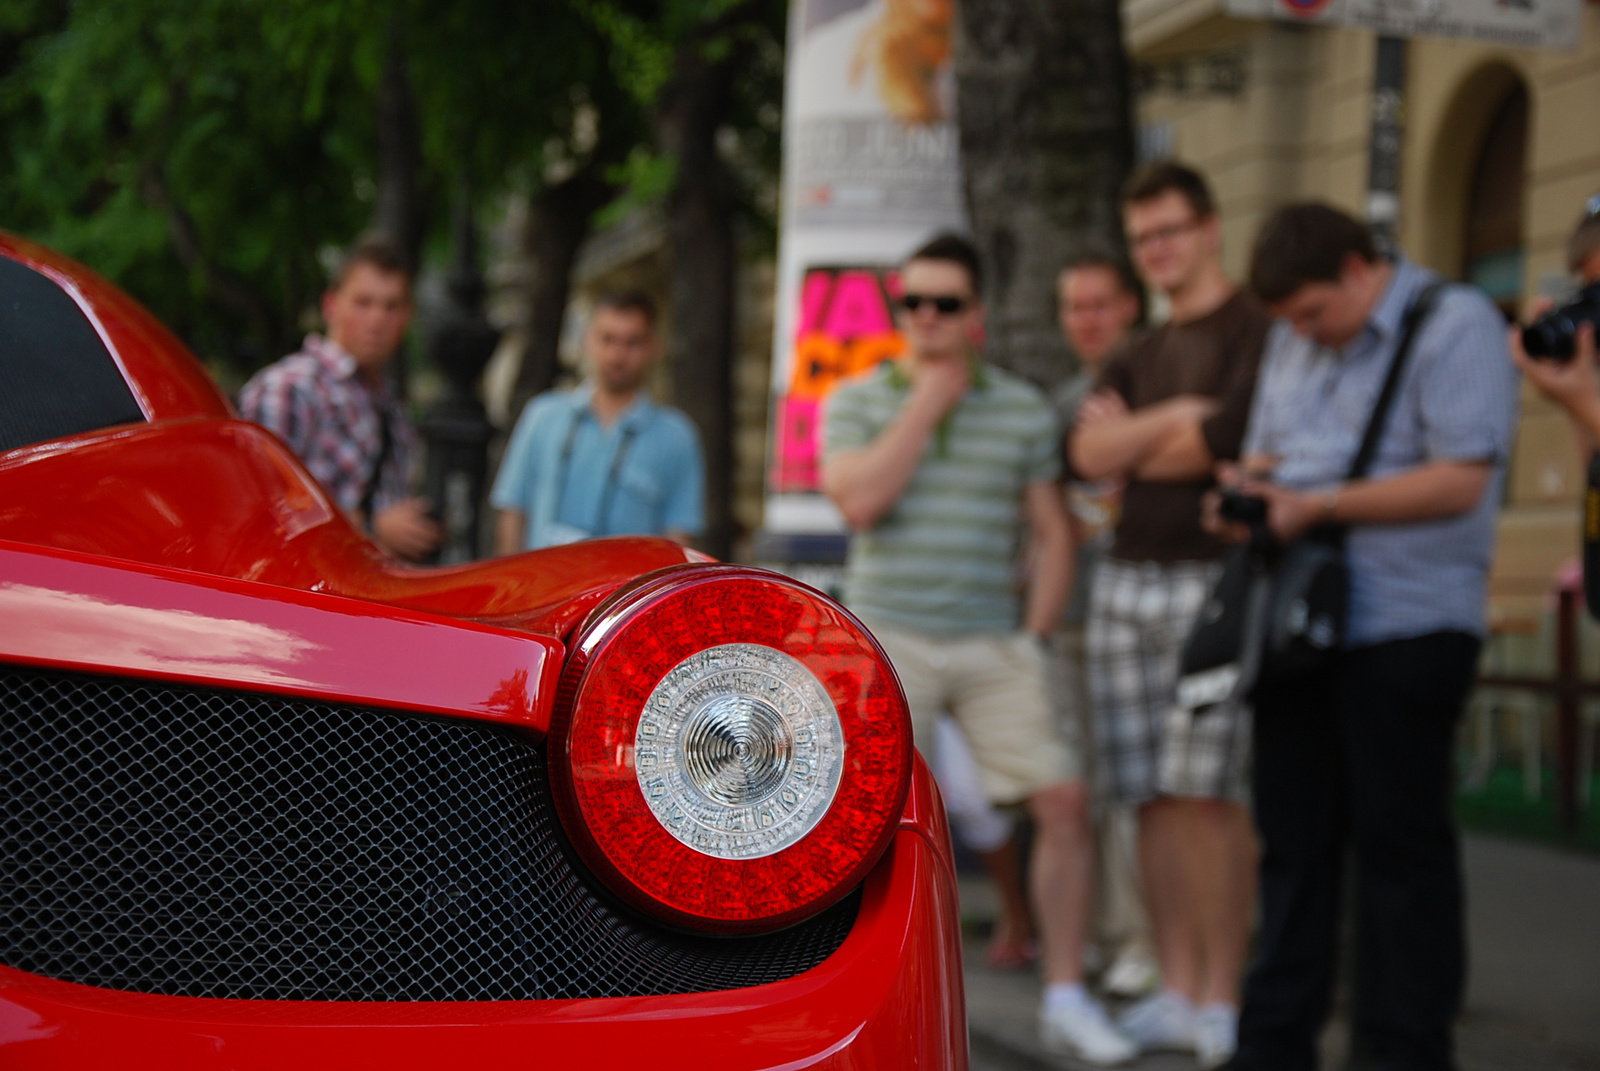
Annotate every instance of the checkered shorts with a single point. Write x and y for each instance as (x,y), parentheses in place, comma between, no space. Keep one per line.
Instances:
(1146,745)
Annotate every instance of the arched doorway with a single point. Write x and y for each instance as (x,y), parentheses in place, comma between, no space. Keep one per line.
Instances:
(1492,254)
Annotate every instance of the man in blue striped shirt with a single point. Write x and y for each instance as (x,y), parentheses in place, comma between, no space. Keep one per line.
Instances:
(1360,752)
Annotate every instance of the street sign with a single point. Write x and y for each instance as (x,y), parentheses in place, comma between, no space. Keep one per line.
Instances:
(1522,23)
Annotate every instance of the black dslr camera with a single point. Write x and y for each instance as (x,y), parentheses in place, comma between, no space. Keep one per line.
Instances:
(1553,337)
(1240,508)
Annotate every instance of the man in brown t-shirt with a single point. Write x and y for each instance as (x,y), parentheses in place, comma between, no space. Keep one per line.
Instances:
(1166,409)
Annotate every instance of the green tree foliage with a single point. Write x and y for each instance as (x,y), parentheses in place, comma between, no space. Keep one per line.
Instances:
(167,146)
(208,155)
(654,45)
(211,155)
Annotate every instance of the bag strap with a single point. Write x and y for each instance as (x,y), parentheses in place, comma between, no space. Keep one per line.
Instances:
(369,493)
(1411,327)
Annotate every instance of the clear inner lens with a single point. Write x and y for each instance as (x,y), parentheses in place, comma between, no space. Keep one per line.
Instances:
(739,751)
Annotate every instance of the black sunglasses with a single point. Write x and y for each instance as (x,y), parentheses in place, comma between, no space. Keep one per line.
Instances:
(946,305)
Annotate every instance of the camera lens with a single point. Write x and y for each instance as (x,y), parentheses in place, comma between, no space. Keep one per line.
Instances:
(1550,338)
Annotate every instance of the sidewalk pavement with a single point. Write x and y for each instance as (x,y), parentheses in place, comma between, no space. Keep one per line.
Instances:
(1533,1001)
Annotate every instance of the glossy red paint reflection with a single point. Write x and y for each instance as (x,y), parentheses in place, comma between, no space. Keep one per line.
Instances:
(228,498)
(75,612)
(240,552)
(618,661)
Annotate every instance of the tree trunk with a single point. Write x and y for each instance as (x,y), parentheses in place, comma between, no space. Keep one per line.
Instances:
(399,210)
(558,224)
(701,253)
(1046,143)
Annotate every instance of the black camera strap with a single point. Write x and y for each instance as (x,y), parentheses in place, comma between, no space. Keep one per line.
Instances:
(1411,326)
(369,492)
(1416,315)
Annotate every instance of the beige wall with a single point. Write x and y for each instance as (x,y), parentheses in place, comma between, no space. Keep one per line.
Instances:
(1299,128)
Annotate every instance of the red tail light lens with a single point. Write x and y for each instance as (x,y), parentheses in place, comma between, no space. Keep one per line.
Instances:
(730,751)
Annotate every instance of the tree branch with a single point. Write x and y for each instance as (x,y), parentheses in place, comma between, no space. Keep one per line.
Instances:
(229,289)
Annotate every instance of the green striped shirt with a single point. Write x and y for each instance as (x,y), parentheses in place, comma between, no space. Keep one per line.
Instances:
(944,559)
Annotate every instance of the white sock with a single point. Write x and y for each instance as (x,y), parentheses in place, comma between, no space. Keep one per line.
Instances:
(1221,1007)
(1172,996)
(1064,996)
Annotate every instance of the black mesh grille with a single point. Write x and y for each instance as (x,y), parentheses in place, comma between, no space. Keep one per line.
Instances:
(205,843)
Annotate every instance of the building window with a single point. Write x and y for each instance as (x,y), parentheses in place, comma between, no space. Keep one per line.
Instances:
(1155,142)
(1494,257)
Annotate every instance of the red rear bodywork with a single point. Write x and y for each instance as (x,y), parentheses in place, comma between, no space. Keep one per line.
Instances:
(196,548)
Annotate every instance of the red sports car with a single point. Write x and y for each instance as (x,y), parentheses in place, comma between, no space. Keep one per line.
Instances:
(272,800)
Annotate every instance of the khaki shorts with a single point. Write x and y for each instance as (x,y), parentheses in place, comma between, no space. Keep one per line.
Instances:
(993,685)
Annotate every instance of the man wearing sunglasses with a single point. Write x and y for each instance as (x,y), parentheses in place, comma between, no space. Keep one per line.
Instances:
(937,462)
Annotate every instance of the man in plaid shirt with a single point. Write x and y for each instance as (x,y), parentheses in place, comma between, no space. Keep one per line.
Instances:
(331,404)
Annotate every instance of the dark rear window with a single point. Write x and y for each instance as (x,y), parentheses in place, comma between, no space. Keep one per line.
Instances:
(56,376)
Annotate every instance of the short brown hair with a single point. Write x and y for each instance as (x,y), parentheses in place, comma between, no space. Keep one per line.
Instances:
(629,301)
(1168,176)
(376,250)
(1584,243)
(954,249)
(1305,243)
(1119,269)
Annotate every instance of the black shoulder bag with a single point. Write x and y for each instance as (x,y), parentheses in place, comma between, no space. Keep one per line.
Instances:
(1279,612)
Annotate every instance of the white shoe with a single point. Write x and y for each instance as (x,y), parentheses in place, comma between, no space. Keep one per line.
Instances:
(1216,1035)
(1082,1030)
(1132,974)
(1163,1020)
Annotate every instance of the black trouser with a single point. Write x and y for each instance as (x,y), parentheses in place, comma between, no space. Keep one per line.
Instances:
(1360,756)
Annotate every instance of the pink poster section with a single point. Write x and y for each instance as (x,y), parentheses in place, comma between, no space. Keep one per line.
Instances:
(844,328)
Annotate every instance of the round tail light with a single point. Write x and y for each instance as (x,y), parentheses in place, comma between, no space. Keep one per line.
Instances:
(730,750)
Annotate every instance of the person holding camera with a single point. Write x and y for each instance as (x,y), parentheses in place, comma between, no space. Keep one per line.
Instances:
(1167,406)
(1357,751)
(1557,353)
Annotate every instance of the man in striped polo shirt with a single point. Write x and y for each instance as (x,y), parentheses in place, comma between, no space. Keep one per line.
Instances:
(937,462)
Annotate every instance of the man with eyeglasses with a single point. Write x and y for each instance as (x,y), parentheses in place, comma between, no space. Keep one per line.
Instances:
(1166,409)
(937,461)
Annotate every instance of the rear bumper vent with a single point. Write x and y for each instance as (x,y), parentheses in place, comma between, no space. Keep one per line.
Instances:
(194,842)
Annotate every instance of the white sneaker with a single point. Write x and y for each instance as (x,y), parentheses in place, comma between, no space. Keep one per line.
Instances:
(1132,974)
(1216,1035)
(1163,1020)
(1082,1030)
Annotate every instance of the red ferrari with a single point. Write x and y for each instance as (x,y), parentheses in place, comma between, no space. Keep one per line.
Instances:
(271,800)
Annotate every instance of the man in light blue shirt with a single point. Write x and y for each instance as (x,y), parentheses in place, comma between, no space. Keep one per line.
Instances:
(602,459)
(1358,754)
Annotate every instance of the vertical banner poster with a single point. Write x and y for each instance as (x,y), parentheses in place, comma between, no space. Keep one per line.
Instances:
(870,170)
